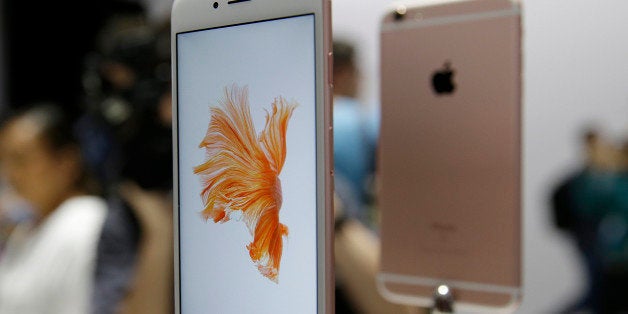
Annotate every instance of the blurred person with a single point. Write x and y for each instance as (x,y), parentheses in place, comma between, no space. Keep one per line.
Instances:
(350,159)
(48,263)
(134,272)
(591,205)
(123,77)
(354,144)
(561,197)
(356,243)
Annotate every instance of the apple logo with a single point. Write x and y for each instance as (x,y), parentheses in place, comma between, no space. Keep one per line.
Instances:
(442,80)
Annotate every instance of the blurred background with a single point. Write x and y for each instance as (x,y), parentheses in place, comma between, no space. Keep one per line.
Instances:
(575,64)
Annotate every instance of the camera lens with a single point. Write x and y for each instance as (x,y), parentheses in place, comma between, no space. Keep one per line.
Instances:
(400,12)
(215,5)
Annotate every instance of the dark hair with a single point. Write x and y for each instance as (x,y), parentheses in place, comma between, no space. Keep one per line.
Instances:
(56,126)
(344,54)
(57,130)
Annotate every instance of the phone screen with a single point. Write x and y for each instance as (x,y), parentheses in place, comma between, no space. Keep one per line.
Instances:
(247,167)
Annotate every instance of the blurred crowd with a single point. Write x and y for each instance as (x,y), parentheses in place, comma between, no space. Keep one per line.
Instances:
(591,206)
(86,185)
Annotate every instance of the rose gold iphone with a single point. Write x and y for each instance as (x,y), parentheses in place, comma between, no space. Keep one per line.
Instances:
(450,154)
(252,113)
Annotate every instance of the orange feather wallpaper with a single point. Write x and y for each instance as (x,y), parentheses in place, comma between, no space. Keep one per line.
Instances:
(240,174)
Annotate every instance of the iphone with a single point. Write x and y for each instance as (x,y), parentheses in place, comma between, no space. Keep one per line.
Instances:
(450,153)
(253,156)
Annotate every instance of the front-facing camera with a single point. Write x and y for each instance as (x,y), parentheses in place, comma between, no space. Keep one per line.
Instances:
(215,5)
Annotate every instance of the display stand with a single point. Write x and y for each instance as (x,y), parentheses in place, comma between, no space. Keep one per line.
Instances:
(443,300)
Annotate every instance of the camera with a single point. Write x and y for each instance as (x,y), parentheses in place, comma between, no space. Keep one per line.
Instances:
(400,12)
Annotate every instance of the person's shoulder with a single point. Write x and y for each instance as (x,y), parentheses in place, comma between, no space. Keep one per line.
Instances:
(80,216)
(69,235)
(121,229)
(82,207)
(83,204)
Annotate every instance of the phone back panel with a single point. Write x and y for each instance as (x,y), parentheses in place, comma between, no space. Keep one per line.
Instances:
(450,160)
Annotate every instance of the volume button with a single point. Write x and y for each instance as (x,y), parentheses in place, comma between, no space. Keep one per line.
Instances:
(330,69)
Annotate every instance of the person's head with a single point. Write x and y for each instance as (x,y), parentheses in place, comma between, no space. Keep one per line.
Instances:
(41,157)
(134,73)
(590,138)
(345,70)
